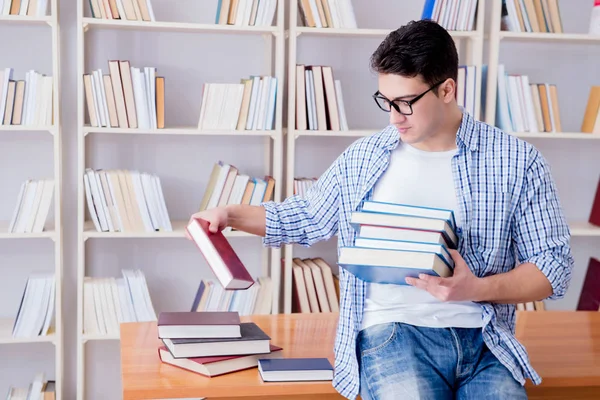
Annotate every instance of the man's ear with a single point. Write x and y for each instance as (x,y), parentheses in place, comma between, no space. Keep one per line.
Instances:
(447,90)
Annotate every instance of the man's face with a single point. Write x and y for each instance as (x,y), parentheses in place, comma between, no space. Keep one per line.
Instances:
(427,111)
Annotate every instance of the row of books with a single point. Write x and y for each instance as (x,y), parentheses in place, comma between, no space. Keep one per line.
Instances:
(217,343)
(33,206)
(246,12)
(133,10)
(399,240)
(126,97)
(226,185)
(315,288)
(125,201)
(107,302)
(248,105)
(319,99)
(40,388)
(301,185)
(255,300)
(591,117)
(453,15)
(524,106)
(31,8)
(531,306)
(35,316)
(466,84)
(327,13)
(531,16)
(26,101)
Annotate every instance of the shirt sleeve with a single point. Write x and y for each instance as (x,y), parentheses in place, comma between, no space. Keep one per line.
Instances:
(542,234)
(307,220)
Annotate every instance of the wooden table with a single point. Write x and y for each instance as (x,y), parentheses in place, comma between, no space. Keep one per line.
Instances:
(564,348)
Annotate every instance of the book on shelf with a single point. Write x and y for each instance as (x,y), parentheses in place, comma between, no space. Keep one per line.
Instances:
(35,316)
(132,10)
(226,185)
(39,388)
(531,16)
(594,218)
(33,206)
(220,256)
(295,369)
(319,99)
(126,97)
(302,185)
(125,201)
(246,12)
(381,259)
(589,298)
(453,15)
(525,106)
(315,289)
(30,8)
(327,14)
(107,302)
(219,350)
(247,105)
(531,306)
(26,102)
(591,116)
(466,85)
(256,300)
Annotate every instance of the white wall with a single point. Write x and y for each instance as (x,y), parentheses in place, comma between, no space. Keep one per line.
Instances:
(172,266)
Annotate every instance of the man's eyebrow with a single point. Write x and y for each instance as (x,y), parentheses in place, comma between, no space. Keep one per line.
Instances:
(404,97)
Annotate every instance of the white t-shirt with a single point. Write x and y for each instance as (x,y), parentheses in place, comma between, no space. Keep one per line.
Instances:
(421,178)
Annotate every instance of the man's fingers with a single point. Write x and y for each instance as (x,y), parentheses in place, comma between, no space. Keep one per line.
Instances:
(421,284)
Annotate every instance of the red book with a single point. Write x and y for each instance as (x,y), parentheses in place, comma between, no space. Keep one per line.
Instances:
(218,253)
(595,213)
(589,299)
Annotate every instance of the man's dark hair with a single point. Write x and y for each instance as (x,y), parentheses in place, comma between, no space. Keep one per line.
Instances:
(420,47)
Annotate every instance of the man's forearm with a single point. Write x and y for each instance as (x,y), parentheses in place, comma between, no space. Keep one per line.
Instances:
(247,218)
(524,283)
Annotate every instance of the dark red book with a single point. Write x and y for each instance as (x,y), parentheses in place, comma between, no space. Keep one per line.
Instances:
(218,365)
(595,213)
(220,256)
(589,299)
(204,324)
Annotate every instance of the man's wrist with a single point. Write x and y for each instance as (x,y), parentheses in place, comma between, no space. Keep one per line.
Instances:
(483,289)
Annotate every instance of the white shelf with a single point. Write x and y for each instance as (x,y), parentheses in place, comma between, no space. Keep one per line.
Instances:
(25,19)
(6,326)
(178,131)
(28,128)
(98,23)
(4,234)
(557,135)
(549,37)
(86,337)
(376,33)
(177,232)
(584,228)
(350,133)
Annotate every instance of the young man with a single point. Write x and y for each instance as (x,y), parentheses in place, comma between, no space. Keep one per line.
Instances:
(434,338)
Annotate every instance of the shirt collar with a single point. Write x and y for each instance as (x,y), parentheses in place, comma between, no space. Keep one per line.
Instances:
(466,136)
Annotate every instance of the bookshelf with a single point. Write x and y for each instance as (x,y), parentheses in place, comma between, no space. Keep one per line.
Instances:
(187,25)
(27,253)
(368,34)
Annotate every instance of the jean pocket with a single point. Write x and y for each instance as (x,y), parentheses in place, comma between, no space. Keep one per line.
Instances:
(376,337)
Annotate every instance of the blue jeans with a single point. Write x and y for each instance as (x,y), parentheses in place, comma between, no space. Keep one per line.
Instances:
(400,361)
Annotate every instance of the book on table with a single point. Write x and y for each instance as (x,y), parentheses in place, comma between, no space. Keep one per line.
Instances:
(220,256)
(396,241)
(206,324)
(295,369)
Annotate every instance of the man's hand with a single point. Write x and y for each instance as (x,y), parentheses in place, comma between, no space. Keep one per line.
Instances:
(217,218)
(461,286)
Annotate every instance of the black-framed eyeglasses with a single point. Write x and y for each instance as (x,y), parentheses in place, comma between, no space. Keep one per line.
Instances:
(403,107)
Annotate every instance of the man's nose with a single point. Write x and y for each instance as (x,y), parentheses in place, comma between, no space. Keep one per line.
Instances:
(396,117)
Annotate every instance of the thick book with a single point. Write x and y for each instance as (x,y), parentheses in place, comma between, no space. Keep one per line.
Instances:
(217,365)
(391,266)
(253,341)
(220,256)
(589,298)
(411,210)
(436,248)
(374,218)
(295,369)
(204,324)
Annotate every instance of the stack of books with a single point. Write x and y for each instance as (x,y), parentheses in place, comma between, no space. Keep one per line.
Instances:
(395,241)
(212,343)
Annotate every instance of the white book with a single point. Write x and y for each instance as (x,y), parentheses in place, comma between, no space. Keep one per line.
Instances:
(95,96)
(90,203)
(35,206)
(259,96)
(97,293)
(44,208)
(103,104)
(101,199)
(5,77)
(204,106)
(90,323)
(17,210)
(164,214)
(141,200)
(27,206)
(529,106)
(271,105)
(253,102)
(341,109)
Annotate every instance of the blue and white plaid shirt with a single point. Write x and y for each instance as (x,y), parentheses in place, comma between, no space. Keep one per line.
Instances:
(510,214)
